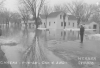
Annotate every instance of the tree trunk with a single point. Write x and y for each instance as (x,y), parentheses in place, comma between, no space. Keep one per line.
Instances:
(78,22)
(36,23)
(46,24)
(37,26)
(25,23)
(64,24)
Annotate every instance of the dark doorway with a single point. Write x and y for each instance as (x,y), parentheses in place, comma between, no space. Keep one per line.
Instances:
(94,26)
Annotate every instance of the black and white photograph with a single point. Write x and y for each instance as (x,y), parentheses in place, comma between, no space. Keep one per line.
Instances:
(49,33)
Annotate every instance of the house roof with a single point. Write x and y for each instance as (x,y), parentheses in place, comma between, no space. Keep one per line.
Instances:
(55,14)
(88,22)
(51,15)
(71,17)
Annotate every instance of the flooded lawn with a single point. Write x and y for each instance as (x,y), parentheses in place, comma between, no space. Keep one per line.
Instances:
(49,49)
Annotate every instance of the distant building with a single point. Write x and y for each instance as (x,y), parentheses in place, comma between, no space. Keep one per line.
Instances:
(91,25)
(31,22)
(55,21)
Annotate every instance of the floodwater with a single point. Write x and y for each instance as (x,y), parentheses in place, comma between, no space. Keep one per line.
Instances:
(50,49)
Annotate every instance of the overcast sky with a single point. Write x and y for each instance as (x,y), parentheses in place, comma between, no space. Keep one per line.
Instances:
(52,2)
(12,4)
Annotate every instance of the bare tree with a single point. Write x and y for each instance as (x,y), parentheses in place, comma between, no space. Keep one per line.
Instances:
(16,18)
(2,2)
(89,10)
(96,15)
(76,9)
(34,51)
(6,15)
(1,10)
(9,17)
(57,8)
(60,8)
(24,12)
(34,6)
(80,10)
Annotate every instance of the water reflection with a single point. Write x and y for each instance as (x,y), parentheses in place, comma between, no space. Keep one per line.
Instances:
(29,49)
(62,35)
(32,49)
(35,53)
(70,55)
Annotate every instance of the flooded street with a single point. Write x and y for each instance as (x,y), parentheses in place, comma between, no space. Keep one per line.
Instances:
(50,49)
(49,34)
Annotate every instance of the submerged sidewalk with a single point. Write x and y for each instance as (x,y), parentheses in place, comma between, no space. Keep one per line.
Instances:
(70,51)
(91,45)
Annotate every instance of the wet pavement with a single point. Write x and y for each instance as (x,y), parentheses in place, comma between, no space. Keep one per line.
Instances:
(71,51)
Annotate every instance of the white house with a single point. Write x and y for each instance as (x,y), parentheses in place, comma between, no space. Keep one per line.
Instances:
(55,21)
(72,22)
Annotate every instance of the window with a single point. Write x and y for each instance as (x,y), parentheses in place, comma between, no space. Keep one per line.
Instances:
(65,24)
(69,23)
(61,23)
(49,23)
(61,33)
(60,16)
(73,24)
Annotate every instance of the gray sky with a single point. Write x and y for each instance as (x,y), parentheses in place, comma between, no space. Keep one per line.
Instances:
(12,4)
(52,2)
